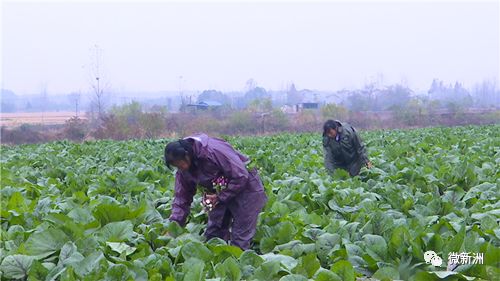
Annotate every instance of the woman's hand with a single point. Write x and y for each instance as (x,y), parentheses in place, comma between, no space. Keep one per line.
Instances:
(212,198)
(209,201)
(369,164)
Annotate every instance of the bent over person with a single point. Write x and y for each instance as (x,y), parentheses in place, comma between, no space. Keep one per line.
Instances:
(343,148)
(233,196)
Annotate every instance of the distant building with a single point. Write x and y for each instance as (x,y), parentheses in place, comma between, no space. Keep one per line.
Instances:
(307,105)
(288,109)
(300,107)
(205,105)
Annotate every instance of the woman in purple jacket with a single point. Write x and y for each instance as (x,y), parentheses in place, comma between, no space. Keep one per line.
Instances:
(209,162)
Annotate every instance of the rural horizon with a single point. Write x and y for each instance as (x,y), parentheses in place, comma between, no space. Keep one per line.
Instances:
(326,140)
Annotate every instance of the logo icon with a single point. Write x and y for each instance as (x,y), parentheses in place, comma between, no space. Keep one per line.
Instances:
(432,258)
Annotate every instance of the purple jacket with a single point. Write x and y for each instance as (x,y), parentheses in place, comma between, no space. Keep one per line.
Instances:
(212,158)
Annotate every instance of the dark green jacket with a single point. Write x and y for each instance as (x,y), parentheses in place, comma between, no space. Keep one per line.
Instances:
(345,151)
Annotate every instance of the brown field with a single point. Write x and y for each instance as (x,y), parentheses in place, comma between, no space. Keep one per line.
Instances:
(44,118)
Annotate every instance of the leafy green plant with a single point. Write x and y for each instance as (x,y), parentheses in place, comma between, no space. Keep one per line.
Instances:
(98,211)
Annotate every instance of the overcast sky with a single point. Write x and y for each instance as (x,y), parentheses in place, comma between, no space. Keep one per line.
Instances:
(326,46)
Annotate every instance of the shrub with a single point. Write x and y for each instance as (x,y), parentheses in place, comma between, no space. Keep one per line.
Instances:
(75,129)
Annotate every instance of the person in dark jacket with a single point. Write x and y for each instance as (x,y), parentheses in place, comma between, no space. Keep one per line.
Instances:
(233,195)
(343,148)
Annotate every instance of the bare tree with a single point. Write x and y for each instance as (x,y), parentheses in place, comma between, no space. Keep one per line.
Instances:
(251,84)
(183,99)
(487,93)
(98,85)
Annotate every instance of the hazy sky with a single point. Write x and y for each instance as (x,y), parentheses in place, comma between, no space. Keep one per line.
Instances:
(326,46)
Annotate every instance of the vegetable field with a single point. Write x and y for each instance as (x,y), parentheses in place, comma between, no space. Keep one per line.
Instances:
(98,210)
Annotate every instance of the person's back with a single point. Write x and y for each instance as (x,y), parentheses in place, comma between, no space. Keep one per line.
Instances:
(343,148)
(233,194)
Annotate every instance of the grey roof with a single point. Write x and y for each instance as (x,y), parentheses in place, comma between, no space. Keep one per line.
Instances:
(210,103)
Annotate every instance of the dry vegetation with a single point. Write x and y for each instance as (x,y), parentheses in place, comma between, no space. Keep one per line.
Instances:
(132,122)
(35,118)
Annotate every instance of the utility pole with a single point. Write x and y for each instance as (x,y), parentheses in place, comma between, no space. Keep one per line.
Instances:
(44,100)
(75,97)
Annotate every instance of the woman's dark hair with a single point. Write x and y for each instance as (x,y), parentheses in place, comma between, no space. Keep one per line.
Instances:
(329,124)
(178,150)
